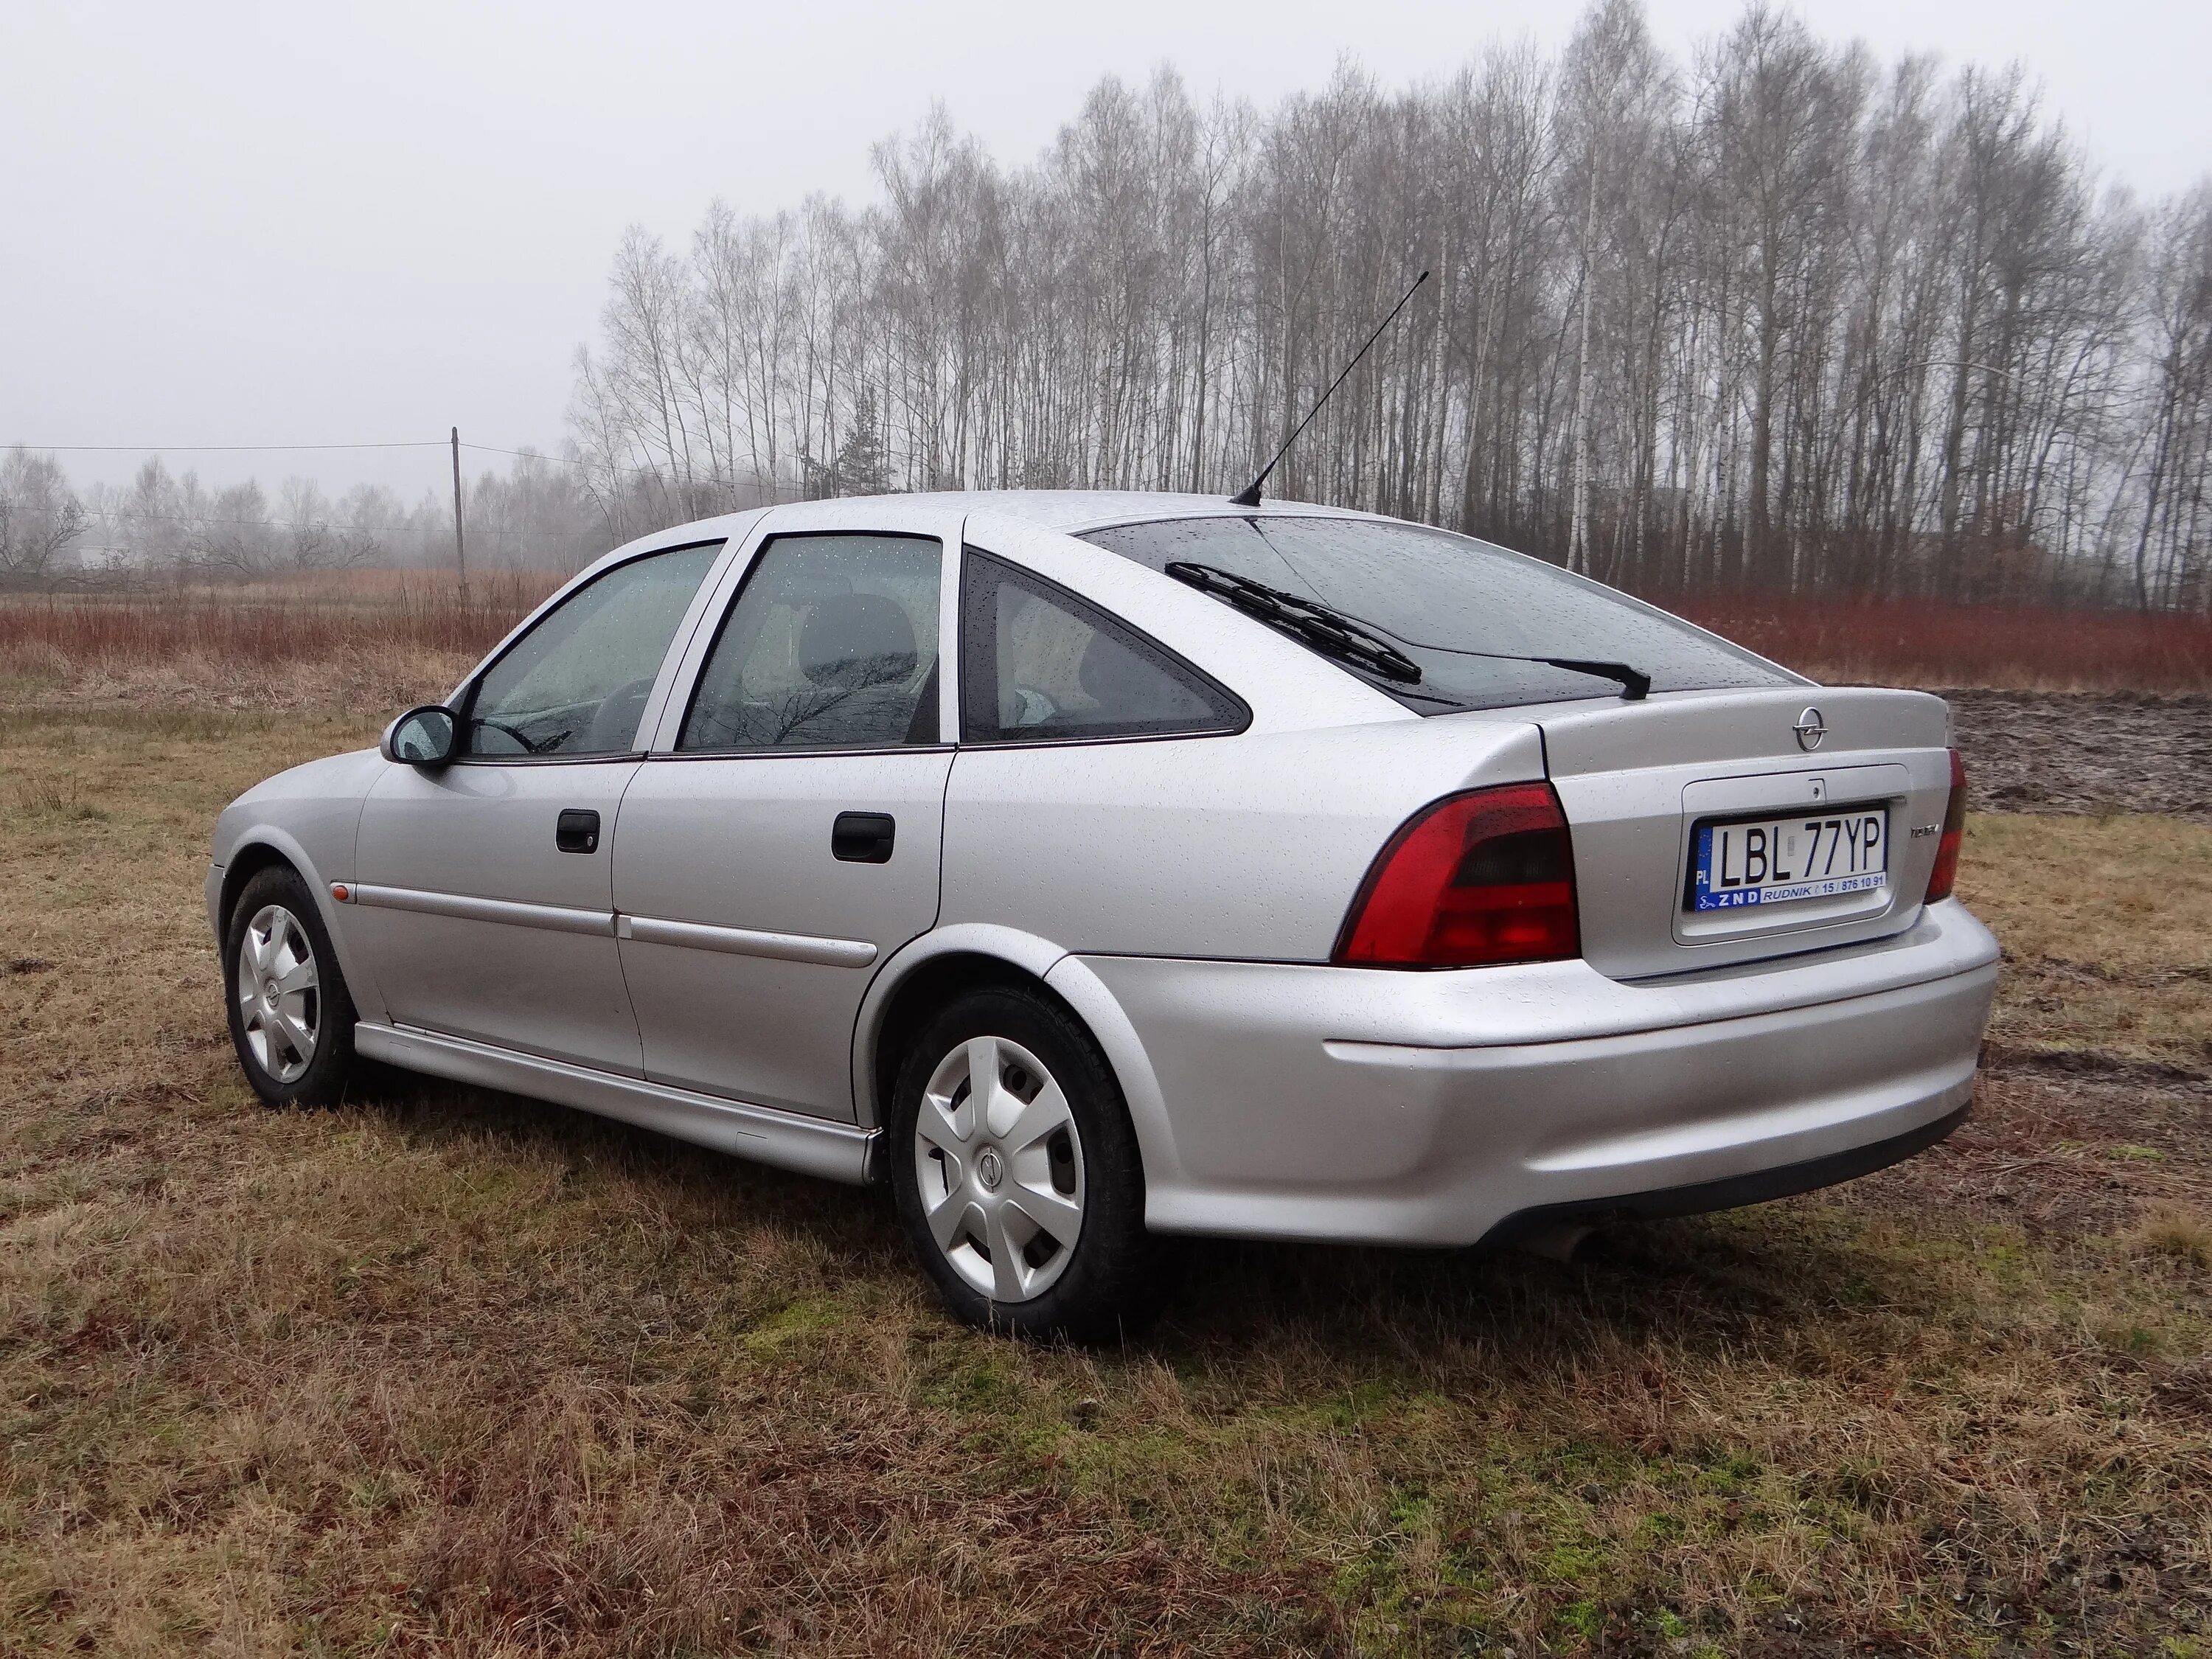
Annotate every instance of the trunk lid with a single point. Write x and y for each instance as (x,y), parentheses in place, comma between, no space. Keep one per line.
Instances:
(1640,781)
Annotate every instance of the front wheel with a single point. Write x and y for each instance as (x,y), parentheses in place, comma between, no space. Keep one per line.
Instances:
(1017,1173)
(291,1017)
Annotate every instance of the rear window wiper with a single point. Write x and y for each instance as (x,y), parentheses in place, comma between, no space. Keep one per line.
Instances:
(1635,684)
(1356,640)
(1330,632)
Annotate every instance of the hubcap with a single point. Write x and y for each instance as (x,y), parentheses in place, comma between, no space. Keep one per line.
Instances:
(279,995)
(999,1166)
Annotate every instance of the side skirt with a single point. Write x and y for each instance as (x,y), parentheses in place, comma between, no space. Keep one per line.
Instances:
(814,1146)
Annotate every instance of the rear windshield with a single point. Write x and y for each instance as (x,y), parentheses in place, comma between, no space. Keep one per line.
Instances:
(1435,595)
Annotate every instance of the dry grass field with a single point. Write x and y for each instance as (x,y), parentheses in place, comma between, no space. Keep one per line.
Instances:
(347,642)
(447,1372)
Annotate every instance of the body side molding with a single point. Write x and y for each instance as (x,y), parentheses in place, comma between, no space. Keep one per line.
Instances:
(814,1146)
(557,918)
(734,941)
(748,942)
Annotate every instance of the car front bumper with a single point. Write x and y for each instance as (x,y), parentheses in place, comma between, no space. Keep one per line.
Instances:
(1347,1103)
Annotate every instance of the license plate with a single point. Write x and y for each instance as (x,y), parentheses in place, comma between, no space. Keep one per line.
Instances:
(1782,860)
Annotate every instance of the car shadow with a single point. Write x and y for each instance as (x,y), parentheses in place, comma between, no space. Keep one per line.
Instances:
(1751,1276)
(1692,1284)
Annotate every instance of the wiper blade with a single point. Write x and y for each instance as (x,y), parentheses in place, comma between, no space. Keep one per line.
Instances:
(1635,684)
(1367,644)
(1329,631)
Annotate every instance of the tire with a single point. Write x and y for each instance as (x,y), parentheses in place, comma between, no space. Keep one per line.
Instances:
(276,931)
(1029,1217)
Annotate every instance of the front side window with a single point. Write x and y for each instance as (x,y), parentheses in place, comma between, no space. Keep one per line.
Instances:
(1467,613)
(576,683)
(1040,665)
(832,644)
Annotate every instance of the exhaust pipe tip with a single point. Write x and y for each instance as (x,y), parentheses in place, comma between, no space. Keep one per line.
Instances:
(1560,1240)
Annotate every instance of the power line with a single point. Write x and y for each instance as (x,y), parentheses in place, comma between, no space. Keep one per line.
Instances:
(527,455)
(132,515)
(407,443)
(174,449)
(568,460)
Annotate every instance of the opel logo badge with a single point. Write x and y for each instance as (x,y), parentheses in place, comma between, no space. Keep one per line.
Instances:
(1811,729)
(989,1168)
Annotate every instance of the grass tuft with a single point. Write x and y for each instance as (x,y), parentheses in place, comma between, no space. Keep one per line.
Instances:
(2180,1232)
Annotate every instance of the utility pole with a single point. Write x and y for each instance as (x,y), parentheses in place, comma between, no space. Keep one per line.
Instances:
(460,551)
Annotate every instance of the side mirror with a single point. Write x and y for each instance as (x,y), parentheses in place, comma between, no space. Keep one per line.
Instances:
(423,737)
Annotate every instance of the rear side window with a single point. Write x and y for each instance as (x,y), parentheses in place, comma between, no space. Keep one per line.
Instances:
(1445,600)
(1039,665)
(831,644)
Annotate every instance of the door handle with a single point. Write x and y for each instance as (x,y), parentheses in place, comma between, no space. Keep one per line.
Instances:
(577,830)
(863,837)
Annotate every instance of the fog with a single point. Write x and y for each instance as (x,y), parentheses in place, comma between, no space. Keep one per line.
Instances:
(246,224)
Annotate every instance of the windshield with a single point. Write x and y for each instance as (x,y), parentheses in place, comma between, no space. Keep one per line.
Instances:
(1435,594)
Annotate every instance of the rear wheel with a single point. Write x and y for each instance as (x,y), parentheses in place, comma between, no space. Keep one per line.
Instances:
(1017,1173)
(291,1017)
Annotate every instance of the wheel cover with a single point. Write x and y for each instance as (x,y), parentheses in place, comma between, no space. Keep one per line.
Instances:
(280,1003)
(998,1163)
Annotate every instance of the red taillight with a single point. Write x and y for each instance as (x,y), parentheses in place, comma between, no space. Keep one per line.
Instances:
(1475,879)
(1945,875)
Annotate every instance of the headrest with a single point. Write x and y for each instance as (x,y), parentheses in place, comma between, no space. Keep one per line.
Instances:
(855,640)
(1113,677)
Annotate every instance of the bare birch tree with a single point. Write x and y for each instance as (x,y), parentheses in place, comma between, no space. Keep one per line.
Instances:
(1782,315)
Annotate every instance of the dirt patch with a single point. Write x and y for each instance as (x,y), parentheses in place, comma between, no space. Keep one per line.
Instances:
(2086,752)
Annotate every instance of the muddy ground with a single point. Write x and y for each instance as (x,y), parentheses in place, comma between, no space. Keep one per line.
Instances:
(2089,752)
(2063,1144)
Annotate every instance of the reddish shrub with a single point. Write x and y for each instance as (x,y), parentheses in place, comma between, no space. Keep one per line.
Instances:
(1872,641)
(309,619)
(1925,642)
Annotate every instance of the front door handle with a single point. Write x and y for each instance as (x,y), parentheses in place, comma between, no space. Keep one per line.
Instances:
(863,837)
(577,830)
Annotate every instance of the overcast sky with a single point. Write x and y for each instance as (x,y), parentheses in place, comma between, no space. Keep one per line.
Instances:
(238,224)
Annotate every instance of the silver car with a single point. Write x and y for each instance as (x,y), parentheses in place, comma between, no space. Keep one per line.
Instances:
(1095,868)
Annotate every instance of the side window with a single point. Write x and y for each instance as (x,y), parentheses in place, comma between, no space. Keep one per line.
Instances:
(1040,665)
(831,644)
(577,682)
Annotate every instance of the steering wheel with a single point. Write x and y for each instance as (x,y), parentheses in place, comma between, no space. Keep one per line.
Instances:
(505,730)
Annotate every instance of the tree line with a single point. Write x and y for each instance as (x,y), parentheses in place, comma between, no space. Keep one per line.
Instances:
(537,515)
(1782,315)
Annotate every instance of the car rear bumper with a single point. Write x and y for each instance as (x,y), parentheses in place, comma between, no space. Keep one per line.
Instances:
(1732,1192)
(1323,1102)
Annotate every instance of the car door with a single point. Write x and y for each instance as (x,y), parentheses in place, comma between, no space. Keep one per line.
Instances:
(483,901)
(783,838)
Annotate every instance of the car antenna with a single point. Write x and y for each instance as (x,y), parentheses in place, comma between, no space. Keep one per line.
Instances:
(1249,496)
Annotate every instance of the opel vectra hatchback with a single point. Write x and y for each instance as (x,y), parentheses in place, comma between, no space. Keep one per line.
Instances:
(1091,867)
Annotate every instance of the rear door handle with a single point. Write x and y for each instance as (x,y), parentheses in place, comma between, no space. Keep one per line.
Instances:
(863,837)
(577,830)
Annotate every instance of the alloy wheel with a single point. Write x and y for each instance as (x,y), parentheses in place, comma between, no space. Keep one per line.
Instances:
(279,993)
(998,1163)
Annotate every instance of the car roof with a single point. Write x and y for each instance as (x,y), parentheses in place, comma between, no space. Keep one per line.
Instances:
(1063,510)
(1091,509)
